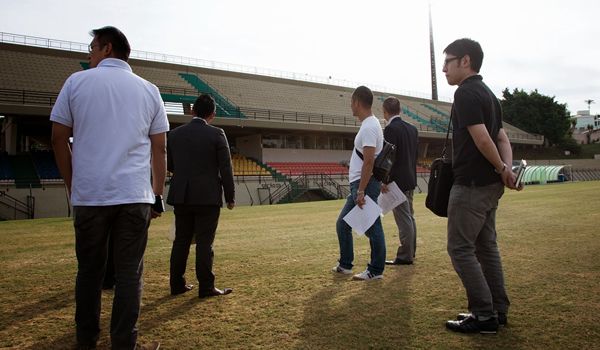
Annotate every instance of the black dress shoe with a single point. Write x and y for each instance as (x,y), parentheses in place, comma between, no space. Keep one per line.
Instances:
(185,288)
(215,292)
(473,325)
(502,319)
(398,262)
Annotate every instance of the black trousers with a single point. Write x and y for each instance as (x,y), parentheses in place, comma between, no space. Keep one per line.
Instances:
(127,226)
(199,222)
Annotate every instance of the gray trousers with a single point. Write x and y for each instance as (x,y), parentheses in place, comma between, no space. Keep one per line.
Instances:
(472,246)
(407,228)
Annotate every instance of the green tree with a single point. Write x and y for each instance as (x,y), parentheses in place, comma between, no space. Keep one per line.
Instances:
(537,113)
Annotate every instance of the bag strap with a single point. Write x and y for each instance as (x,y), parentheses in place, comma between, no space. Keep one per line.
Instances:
(360,155)
(447,135)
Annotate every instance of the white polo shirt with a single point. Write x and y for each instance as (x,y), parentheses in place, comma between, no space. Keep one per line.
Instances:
(370,134)
(112,112)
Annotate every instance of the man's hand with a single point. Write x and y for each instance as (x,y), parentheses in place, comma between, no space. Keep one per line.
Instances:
(230,205)
(155,214)
(384,188)
(509,178)
(360,199)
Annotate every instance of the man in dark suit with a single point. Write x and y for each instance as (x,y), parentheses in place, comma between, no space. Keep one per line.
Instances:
(198,156)
(404,174)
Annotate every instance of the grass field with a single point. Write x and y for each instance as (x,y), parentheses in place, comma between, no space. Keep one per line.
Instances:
(277,259)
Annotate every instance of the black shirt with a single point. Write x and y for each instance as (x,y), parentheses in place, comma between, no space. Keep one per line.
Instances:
(404,136)
(474,103)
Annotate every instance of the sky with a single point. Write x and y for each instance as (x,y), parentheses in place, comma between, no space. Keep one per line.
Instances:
(552,45)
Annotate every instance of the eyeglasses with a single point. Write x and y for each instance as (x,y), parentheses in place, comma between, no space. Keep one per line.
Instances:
(448,60)
(91,47)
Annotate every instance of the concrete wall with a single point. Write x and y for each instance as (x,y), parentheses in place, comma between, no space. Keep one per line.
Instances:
(305,155)
(51,200)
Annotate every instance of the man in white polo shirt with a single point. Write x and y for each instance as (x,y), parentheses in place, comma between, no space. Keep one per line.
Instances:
(367,145)
(118,124)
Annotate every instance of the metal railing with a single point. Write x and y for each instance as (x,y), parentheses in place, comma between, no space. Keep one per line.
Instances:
(196,62)
(297,185)
(27,97)
(18,207)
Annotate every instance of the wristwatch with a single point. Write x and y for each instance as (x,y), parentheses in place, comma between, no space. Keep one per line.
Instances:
(159,205)
(360,192)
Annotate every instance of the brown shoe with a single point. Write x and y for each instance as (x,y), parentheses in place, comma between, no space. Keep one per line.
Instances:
(148,346)
(215,292)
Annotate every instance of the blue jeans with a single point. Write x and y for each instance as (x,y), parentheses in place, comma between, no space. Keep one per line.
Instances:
(375,232)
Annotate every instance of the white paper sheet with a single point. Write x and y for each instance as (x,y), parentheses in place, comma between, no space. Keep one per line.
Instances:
(362,219)
(393,198)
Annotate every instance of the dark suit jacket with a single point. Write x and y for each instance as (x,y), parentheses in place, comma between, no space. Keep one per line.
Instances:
(404,136)
(198,156)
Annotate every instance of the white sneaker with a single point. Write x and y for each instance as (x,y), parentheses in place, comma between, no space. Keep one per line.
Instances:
(366,275)
(341,270)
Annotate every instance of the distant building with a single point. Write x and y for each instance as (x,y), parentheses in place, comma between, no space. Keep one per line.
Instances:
(583,119)
(581,133)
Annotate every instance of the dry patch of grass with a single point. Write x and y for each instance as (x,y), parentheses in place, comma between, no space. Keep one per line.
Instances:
(277,259)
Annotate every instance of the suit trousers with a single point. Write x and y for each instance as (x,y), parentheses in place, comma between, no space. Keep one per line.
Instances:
(473,249)
(407,228)
(127,226)
(199,222)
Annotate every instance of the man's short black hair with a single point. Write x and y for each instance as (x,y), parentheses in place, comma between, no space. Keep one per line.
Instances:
(364,96)
(120,44)
(204,106)
(391,105)
(466,46)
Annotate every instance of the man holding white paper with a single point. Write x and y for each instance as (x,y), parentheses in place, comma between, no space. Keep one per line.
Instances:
(404,174)
(367,144)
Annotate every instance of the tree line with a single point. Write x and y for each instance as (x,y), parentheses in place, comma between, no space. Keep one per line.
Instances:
(536,113)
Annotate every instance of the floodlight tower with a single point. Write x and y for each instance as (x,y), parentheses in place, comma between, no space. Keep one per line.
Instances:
(589,102)
(434,94)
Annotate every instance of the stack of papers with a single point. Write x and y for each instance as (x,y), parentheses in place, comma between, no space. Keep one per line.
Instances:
(362,219)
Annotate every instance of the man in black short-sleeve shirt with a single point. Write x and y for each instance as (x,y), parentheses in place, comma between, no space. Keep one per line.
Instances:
(481,152)
(474,104)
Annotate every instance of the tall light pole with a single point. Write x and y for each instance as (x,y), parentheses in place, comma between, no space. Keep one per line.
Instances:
(589,102)
(434,93)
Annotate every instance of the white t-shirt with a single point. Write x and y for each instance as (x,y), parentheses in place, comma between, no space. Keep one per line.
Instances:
(112,112)
(370,134)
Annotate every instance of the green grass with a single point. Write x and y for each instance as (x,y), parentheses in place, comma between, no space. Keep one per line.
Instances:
(277,259)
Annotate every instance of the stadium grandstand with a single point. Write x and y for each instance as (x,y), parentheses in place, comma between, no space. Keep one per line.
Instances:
(291,138)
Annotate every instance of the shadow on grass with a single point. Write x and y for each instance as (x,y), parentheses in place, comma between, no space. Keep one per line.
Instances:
(372,314)
(50,304)
(161,310)
(165,309)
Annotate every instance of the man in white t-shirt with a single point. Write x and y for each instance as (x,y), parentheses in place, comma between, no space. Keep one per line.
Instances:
(367,145)
(118,124)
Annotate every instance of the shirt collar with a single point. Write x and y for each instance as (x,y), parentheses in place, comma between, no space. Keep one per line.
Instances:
(114,62)
(394,117)
(472,77)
